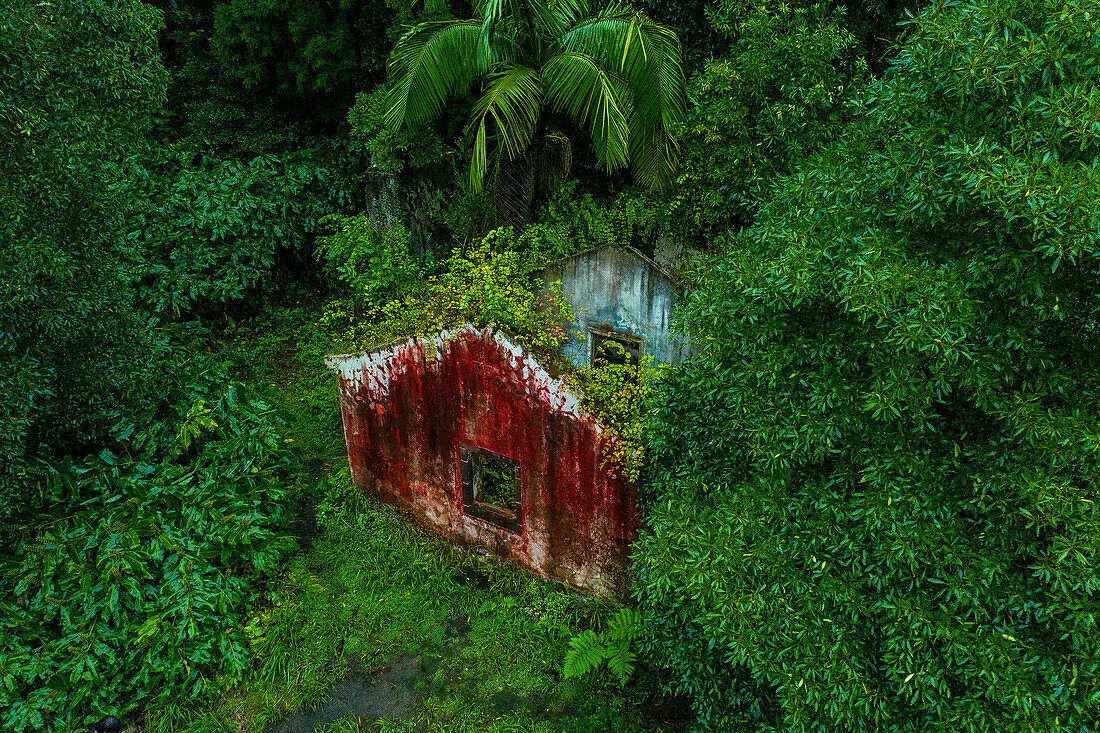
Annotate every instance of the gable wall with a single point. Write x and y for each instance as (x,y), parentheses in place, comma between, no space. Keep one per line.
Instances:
(409,406)
(617,288)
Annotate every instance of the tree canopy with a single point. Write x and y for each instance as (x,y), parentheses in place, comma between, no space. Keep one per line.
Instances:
(876,501)
(79,83)
(613,71)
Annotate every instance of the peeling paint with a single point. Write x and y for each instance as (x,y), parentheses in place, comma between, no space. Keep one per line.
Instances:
(618,291)
(409,406)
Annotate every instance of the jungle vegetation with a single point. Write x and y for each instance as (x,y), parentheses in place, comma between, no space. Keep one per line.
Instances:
(870,499)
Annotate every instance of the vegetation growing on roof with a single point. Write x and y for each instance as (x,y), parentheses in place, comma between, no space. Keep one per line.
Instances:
(870,500)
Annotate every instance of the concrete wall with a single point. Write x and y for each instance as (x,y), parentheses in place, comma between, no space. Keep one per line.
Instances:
(408,409)
(618,289)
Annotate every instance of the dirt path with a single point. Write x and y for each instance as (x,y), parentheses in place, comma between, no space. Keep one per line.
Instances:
(392,692)
(387,693)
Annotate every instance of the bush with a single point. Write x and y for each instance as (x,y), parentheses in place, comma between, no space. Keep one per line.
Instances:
(491,284)
(129,592)
(370,263)
(203,232)
(308,52)
(876,504)
(570,223)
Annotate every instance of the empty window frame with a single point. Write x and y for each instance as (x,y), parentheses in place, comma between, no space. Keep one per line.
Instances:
(491,487)
(615,347)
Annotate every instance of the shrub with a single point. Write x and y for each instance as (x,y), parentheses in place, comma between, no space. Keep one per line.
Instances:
(876,505)
(570,223)
(80,81)
(370,263)
(203,232)
(492,284)
(129,592)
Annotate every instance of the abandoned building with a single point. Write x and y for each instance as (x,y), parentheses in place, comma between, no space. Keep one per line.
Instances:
(473,436)
(619,297)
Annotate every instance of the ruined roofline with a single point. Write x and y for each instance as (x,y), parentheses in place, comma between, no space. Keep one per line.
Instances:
(450,330)
(570,398)
(625,248)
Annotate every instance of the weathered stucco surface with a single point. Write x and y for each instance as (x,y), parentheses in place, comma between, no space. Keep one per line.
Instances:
(618,289)
(408,409)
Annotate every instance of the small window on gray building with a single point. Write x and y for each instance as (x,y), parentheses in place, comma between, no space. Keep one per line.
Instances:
(615,348)
(491,487)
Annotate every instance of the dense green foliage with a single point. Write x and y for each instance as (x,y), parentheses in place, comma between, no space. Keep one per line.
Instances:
(493,284)
(870,501)
(876,497)
(204,232)
(305,51)
(371,263)
(78,84)
(783,93)
(129,589)
(145,491)
(611,71)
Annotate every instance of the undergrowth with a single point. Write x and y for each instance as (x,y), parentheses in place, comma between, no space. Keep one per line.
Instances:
(373,589)
(126,588)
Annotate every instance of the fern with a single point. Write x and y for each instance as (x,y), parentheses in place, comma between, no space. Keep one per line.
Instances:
(589,650)
(621,664)
(586,652)
(625,626)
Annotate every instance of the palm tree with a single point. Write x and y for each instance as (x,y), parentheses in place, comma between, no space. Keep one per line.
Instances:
(614,72)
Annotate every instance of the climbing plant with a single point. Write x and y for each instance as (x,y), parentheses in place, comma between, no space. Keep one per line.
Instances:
(493,284)
(616,395)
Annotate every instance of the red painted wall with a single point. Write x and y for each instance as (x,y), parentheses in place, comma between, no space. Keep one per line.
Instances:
(408,406)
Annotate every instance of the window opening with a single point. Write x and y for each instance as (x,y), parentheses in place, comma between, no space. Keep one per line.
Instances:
(607,349)
(491,487)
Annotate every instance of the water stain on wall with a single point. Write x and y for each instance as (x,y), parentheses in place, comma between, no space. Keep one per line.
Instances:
(414,409)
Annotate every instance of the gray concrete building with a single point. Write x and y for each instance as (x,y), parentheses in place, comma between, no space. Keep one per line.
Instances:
(620,298)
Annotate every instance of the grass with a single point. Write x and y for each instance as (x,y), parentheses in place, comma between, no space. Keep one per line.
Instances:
(491,638)
(450,640)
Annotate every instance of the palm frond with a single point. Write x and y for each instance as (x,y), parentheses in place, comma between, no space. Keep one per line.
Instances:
(532,19)
(512,99)
(569,12)
(660,105)
(595,98)
(431,64)
(491,13)
(548,23)
(648,56)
